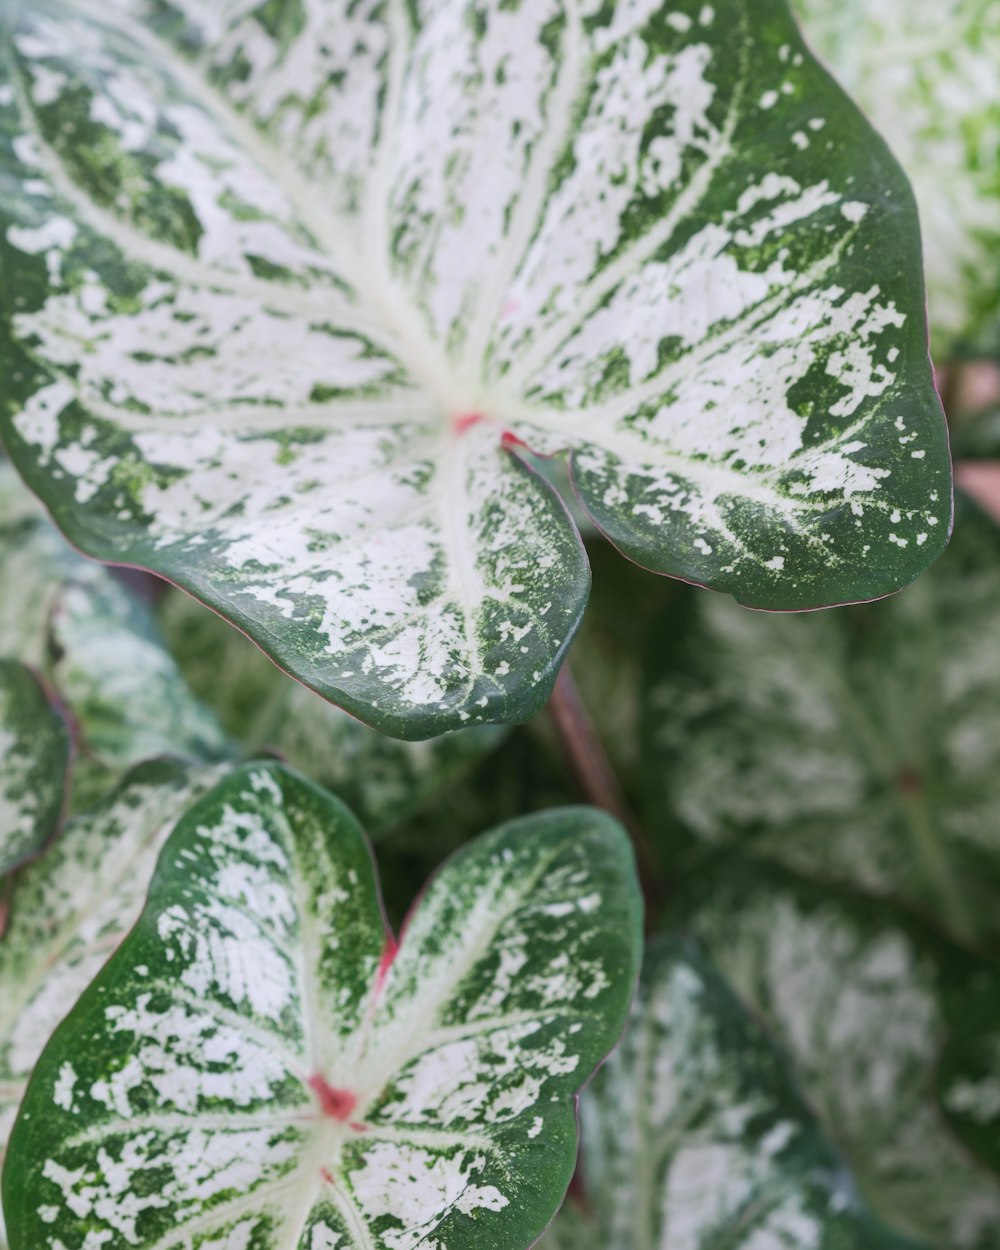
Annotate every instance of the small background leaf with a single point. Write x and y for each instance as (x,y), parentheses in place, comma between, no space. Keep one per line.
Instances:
(98,646)
(892,1032)
(34,760)
(694,1136)
(861,746)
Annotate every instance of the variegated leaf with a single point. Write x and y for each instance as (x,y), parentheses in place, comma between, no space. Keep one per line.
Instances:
(262,1067)
(861,746)
(383,780)
(34,758)
(893,1034)
(34,561)
(925,73)
(70,909)
(694,1137)
(289,285)
(99,647)
(112,667)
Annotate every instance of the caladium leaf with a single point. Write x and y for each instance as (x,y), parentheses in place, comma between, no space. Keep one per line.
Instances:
(925,73)
(861,746)
(34,561)
(70,909)
(893,1034)
(99,647)
(383,780)
(34,758)
(263,1068)
(283,308)
(695,1138)
(110,664)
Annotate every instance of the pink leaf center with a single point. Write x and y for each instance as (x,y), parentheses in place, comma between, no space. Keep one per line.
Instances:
(336,1103)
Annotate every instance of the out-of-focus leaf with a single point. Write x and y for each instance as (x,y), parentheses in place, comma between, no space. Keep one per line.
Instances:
(860,746)
(694,1137)
(527,773)
(34,758)
(980,480)
(100,648)
(110,664)
(978,438)
(892,1032)
(34,561)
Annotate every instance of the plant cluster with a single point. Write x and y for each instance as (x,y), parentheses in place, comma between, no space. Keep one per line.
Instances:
(386,329)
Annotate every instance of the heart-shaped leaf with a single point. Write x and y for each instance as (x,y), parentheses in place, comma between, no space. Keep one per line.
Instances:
(925,73)
(70,909)
(383,780)
(694,1136)
(288,287)
(260,1066)
(98,646)
(893,1034)
(861,746)
(34,758)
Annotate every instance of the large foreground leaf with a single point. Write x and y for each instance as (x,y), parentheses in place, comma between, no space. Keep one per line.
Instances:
(70,909)
(34,757)
(262,1067)
(893,1034)
(925,73)
(695,1139)
(861,746)
(98,646)
(281,312)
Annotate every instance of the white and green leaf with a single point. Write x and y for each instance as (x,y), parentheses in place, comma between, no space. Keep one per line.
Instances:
(289,285)
(383,780)
(892,1033)
(694,1137)
(259,1065)
(34,561)
(861,746)
(925,73)
(110,664)
(98,646)
(34,760)
(70,909)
